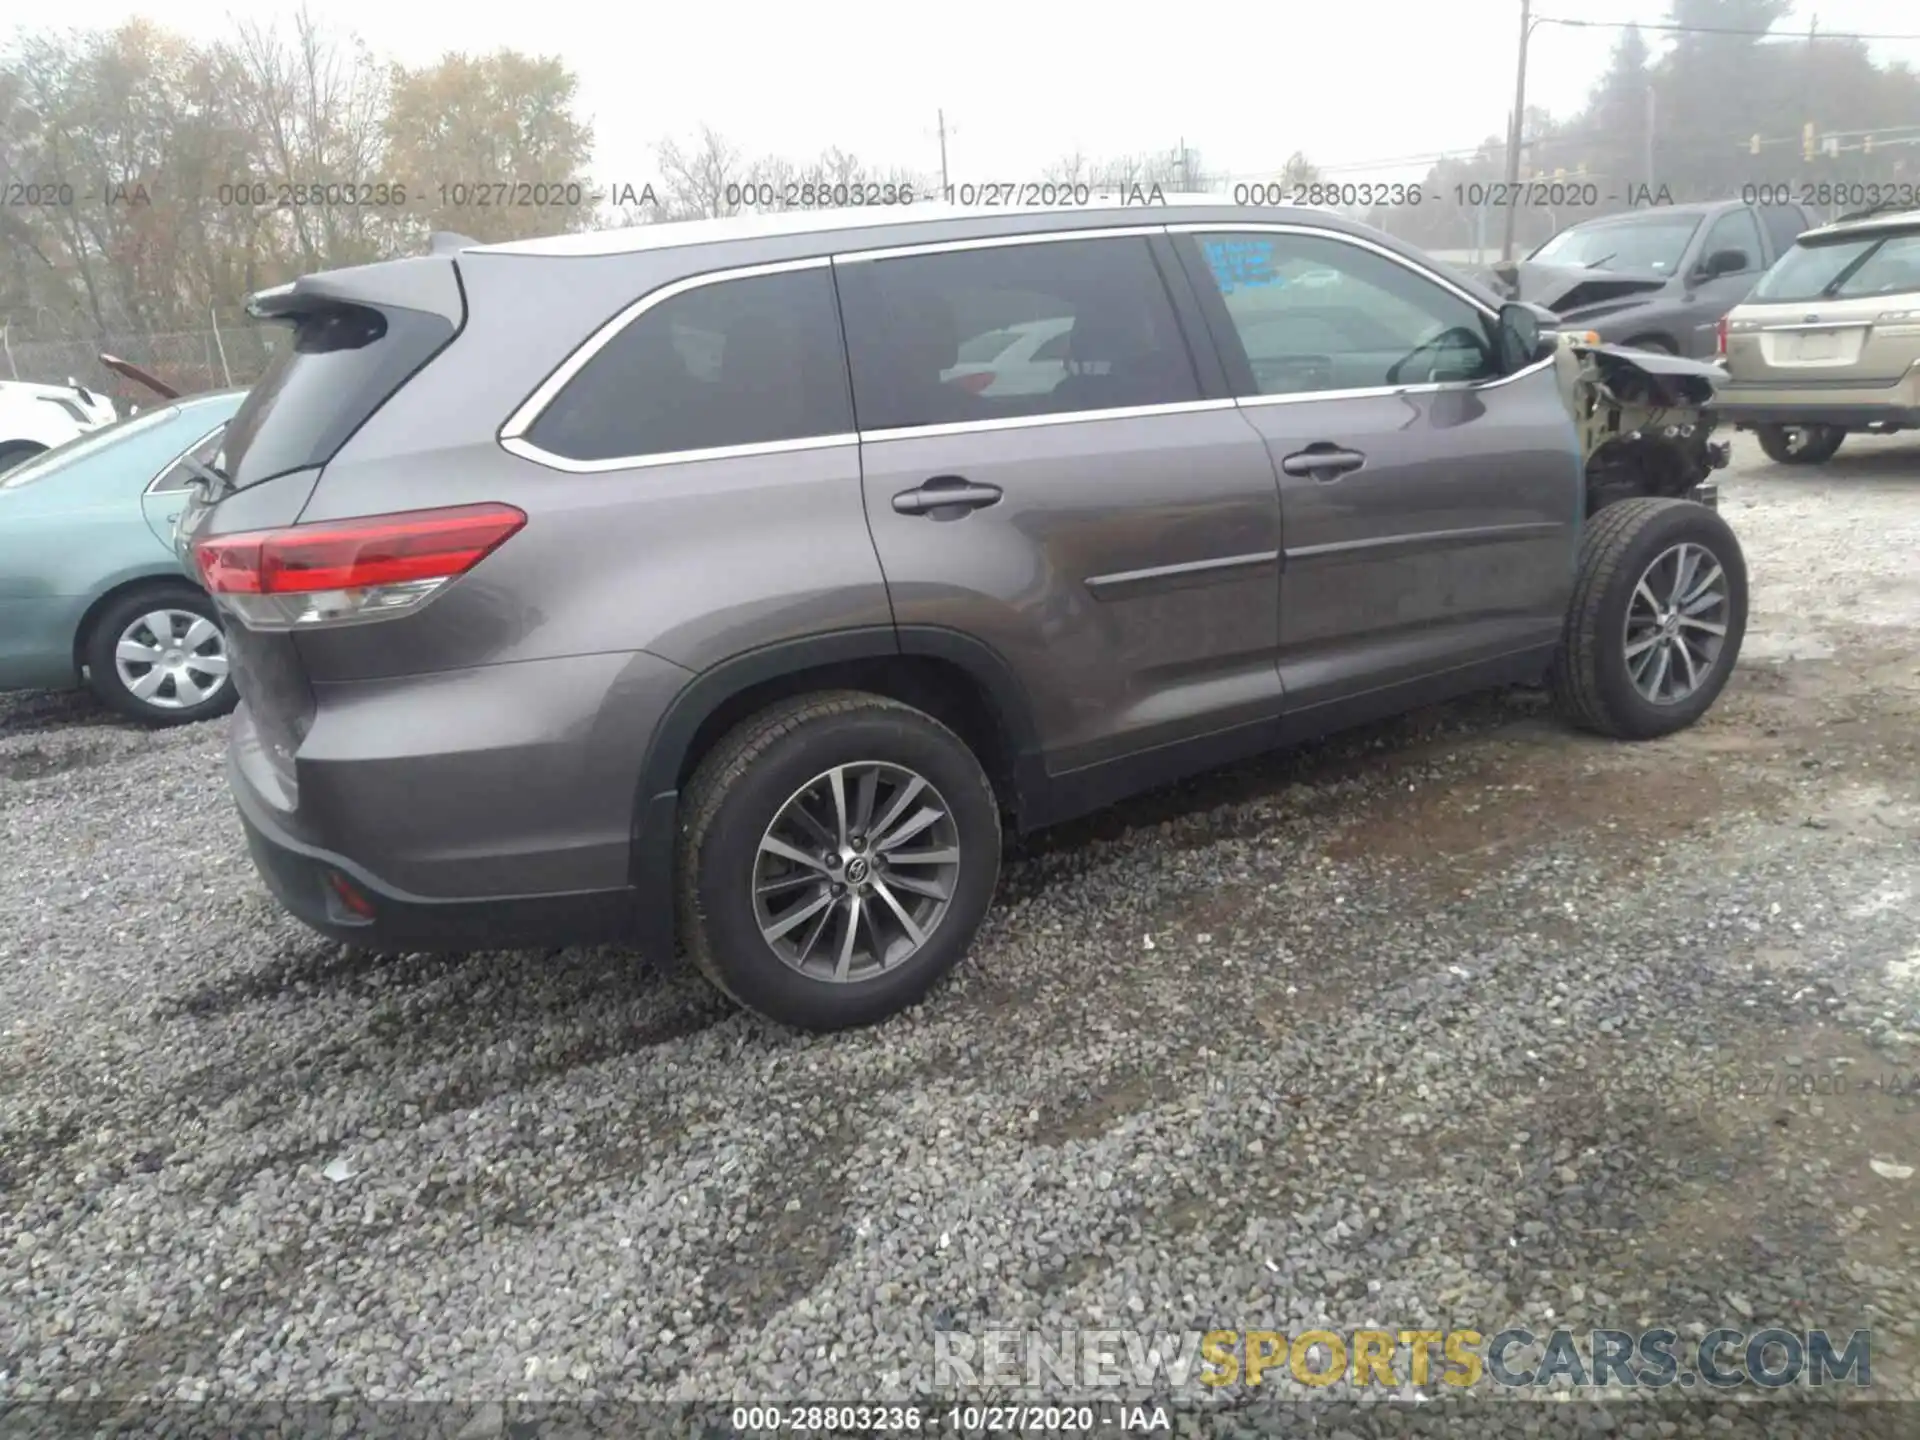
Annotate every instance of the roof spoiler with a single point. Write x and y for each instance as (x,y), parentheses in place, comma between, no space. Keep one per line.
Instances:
(426,283)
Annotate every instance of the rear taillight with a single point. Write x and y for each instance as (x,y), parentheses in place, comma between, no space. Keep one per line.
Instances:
(1720,336)
(976,383)
(342,571)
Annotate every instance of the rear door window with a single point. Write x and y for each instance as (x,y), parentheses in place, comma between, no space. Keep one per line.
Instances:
(750,361)
(907,318)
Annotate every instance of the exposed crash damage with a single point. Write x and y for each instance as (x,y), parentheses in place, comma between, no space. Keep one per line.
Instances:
(1645,421)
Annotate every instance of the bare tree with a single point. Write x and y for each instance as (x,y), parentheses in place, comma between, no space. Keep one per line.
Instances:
(700,179)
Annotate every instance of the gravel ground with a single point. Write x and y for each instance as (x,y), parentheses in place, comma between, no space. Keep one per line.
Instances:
(1467,1020)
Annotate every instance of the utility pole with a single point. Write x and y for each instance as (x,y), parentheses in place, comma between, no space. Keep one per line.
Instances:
(1186,178)
(1647,159)
(943,153)
(1515,127)
(1806,97)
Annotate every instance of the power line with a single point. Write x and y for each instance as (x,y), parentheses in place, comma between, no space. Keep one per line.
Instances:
(1671,29)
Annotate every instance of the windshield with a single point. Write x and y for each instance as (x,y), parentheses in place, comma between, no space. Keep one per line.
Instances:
(63,457)
(1839,269)
(1650,242)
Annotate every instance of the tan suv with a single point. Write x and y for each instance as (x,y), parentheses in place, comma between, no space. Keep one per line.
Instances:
(1829,340)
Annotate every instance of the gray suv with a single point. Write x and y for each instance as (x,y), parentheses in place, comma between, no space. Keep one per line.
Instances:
(1660,278)
(674,586)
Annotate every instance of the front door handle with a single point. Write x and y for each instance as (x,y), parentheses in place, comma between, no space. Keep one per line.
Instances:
(1323,462)
(949,493)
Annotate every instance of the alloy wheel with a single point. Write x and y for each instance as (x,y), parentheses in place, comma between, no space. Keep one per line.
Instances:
(856,872)
(1676,623)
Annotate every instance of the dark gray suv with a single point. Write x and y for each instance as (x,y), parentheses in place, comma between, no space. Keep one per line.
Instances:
(678,585)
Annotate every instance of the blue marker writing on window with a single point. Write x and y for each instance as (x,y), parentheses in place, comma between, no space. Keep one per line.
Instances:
(1242,264)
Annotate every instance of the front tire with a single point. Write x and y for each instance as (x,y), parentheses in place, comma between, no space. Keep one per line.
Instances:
(1799,444)
(839,853)
(1659,610)
(158,655)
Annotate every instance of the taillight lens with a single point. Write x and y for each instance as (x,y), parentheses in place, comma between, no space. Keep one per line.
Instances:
(338,572)
(976,383)
(1720,336)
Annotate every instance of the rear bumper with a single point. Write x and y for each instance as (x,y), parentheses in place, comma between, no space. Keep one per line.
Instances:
(340,899)
(1847,417)
(1852,407)
(496,807)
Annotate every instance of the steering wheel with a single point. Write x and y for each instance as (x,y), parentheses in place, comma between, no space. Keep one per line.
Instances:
(1454,337)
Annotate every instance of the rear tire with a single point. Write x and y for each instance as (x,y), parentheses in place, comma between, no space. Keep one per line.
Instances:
(1656,578)
(18,454)
(1799,444)
(767,926)
(202,659)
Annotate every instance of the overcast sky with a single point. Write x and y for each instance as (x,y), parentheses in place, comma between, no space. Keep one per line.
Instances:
(1024,82)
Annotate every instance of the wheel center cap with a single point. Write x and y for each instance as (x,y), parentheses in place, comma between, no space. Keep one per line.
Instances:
(857,869)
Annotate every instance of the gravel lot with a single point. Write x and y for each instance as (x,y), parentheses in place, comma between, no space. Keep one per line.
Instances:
(1465,1020)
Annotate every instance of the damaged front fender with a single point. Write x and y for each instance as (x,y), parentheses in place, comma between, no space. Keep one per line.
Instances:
(1644,421)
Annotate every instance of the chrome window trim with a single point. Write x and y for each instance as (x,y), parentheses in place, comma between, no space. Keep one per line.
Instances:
(161,473)
(1029,422)
(1436,387)
(512,435)
(527,450)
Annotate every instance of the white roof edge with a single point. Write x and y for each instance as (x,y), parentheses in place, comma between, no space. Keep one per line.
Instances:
(1890,219)
(667,234)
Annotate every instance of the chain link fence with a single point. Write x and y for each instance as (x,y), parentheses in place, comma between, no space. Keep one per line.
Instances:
(215,358)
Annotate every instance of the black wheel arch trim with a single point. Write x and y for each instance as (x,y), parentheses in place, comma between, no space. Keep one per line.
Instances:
(657,799)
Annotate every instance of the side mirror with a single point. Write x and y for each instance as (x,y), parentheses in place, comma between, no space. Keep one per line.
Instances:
(1520,336)
(1723,262)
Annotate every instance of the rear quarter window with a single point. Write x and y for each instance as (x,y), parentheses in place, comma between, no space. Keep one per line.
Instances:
(750,361)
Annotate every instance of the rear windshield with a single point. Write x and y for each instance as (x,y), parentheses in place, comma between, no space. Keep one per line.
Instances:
(336,368)
(1845,269)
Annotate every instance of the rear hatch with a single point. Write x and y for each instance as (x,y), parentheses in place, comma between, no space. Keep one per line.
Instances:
(1840,309)
(354,338)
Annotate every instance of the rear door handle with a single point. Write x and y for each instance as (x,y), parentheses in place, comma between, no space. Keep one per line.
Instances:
(1323,462)
(950,493)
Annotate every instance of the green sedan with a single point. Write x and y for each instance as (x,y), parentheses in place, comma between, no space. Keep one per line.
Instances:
(91,592)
